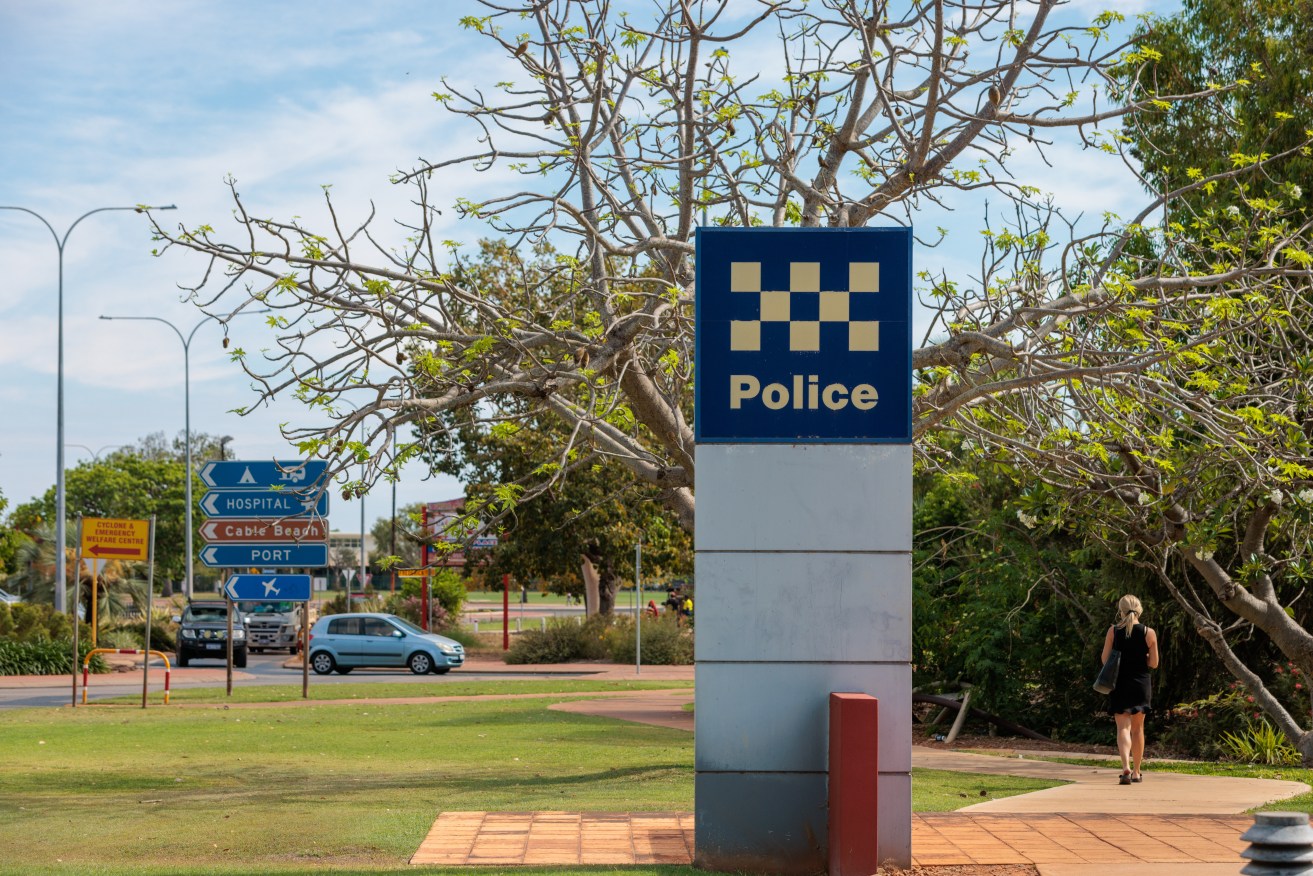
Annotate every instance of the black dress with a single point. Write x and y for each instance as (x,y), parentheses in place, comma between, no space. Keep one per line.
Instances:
(1133,693)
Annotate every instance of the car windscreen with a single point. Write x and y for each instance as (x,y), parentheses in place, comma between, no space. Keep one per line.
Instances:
(205,613)
(407,625)
(266,607)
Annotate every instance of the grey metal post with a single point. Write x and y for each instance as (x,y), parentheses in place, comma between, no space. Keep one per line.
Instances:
(77,598)
(60,504)
(150,599)
(638,607)
(362,540)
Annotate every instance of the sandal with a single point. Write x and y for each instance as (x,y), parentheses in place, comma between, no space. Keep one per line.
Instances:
(1125,779)
(1139,778)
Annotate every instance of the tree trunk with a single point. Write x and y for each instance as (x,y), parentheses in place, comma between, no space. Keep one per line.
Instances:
(600,580)
(591,585)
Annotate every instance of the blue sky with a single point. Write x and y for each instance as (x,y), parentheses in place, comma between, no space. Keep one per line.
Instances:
(109,104)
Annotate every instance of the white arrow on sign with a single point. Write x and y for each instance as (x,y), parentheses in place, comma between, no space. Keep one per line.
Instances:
(208,506)
(209,554)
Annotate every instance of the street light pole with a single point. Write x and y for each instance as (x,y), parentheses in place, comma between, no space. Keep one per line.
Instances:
(186,404)
(61,574)
(186,394)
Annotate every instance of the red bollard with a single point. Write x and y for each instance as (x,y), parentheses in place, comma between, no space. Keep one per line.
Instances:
(854,770)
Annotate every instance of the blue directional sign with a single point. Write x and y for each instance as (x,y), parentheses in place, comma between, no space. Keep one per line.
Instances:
(263,503)
(804,335)
(289,588)
(282,556)
(255,474)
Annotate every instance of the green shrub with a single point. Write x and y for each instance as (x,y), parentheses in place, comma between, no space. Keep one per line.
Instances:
(34,622)
(563,640)
(45,658)
(1260,742)
(665,642)
(119,637)
(411,608)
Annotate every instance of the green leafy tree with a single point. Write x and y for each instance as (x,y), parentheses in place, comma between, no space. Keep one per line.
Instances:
(11,539)
(135,482)
(403,531)
(587,522)
(1263,44)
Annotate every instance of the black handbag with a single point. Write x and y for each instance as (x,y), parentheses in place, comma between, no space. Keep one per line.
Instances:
(1107,678)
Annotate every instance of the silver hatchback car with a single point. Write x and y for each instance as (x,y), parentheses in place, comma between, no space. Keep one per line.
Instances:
(342,642)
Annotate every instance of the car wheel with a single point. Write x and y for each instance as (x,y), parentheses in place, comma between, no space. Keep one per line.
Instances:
(183,659)
(344,670)
(420,663)
(239,659)
(441,670)
(322,662)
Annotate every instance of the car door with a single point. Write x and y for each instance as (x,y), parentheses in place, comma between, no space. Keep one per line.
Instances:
(345,641)
(384,644)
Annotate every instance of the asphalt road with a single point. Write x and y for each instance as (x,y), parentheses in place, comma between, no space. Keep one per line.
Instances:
(264,668)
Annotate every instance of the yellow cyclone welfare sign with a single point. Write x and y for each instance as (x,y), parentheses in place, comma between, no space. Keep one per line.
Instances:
(108,538)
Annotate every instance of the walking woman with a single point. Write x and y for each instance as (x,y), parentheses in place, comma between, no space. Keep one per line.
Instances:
(1132,697)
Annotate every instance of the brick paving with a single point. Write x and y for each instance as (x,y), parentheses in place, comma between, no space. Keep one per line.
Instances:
(961,838)
(564,838)
(539,838)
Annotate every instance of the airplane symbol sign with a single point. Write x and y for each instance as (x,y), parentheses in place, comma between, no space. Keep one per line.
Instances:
(287,588)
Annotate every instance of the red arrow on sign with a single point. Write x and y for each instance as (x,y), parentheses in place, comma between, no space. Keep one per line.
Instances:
(101,551)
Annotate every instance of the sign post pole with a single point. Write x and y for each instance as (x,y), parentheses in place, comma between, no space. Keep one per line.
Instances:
(148,612)
(77,603)
(638,607)
(305,651)
(229,640)
(506,612)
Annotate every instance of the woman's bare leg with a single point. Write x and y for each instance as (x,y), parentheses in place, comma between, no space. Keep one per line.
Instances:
(1124,739)
(1137,740)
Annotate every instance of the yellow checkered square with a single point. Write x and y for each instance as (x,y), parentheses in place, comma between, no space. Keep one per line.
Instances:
(863,276)
(864,337)
(775,306)
(834,307)
(804,336)
(745,276)
(804,276)
(745,335)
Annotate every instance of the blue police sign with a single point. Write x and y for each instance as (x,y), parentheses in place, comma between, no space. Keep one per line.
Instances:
(804,335)
(290,588)
(263,503)
(262,474)
(281,556)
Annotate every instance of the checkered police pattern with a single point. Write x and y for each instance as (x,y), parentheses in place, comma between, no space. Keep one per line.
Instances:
(805,279)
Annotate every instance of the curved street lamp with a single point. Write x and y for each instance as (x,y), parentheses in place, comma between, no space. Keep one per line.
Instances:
(95,454)
(61,575)
(186,384)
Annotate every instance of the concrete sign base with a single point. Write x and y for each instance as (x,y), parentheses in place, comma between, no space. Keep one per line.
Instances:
(804,582)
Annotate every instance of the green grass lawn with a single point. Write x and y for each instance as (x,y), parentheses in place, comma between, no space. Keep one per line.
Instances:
(945,791)
(341,788)
(280,693)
